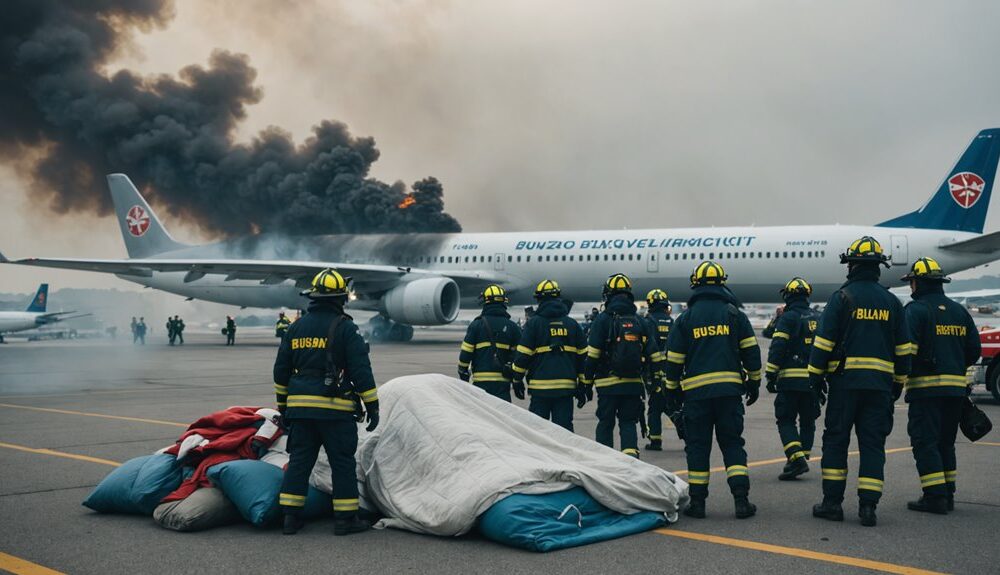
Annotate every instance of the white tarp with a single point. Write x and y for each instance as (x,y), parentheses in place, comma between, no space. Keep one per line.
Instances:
(446,451)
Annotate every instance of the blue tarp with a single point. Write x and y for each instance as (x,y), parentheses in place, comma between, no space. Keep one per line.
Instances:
(252,486)
(137,486)
(560,520)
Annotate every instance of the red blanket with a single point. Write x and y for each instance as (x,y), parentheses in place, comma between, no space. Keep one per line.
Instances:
(230,434)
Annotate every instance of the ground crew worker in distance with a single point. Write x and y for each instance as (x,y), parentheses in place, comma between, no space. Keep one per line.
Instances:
(281,326)
(944,343)
(550,355)
(321,372)
(658,322)
(619,347)
(713,360)
(796,407)
(489,345)
(862,349)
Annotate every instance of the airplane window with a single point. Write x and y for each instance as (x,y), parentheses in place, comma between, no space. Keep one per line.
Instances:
(630,257)
(802,254)
(701,255)
(528,258)
(614,257)
(564,258)
(824,253)
(518,258)
(605,257)
(784,254)
(510,259)
(466,259)
(751,255)
(793,254)
(676,257)
(490,258)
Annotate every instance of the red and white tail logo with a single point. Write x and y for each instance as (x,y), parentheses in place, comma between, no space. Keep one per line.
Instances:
(966,188)
(137,221)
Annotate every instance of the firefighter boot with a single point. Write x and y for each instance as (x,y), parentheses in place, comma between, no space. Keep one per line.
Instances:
(951,502)
(292,524)
(696,509)
(350,524)
(829,510)
(655,445)
(793,469)
(937,504)
(744,508)
(866,511)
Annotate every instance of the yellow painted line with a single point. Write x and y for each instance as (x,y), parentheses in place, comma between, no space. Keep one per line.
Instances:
(88,414)
(784,459)
(19,566)
(985,443)
(803,553)
(59,454)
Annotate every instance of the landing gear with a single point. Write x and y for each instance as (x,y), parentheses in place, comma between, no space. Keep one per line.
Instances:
(381,329)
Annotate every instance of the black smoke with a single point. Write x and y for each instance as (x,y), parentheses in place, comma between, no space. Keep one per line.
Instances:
(64,124)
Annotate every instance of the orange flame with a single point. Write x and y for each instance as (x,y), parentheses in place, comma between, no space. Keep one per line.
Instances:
(407,202)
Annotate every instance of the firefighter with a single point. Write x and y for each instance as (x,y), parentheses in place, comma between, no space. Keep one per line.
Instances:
(795,407)
(550,355)
(619,348)
(281,326)
(488,347)
(944,343)
(230,330)
(321,372)
(860,356)
(713,360)
(658,321)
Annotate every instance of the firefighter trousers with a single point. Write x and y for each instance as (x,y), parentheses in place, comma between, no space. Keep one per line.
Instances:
(340,439)
(933,425)
(869,413)
(559,410)
(626,409)
(498,389)
(654,420)
(796,413)
(724,415)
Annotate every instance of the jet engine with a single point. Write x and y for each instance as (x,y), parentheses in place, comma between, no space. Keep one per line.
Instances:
(428,301)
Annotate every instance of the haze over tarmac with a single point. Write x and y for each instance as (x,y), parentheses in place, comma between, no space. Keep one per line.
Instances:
(588,114)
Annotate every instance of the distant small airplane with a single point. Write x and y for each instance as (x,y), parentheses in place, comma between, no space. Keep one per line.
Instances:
(33,317)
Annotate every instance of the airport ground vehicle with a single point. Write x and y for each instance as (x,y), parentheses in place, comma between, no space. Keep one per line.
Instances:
(987,371)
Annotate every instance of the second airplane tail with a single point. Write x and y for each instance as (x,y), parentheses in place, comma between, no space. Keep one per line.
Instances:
(40,300)
(143,233)
(962,200)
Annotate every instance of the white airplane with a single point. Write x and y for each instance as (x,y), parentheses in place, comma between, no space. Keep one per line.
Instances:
(33,317)
(423,279)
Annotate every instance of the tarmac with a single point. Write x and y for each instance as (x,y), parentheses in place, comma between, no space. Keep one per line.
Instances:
(71,410)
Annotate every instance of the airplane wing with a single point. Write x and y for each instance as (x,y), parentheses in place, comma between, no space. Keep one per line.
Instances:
(985,244)
(57,316)
(368,278)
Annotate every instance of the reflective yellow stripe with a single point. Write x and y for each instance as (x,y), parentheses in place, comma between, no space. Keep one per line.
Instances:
(950,476)
(486,344)
(541,384)
(791,444)
(657,356)
(519,369)
(737,470)
(370,395)
(321,402)
(291,500)
(480,376)
(831,366)
(901,379)
(525,350)
(630,451)
(815,370)
(914,348)
(748,342)
(593,352)
(793,372)
(823,343)
(698,477)
(798,455)
(780,334)
(345,505)
(754,375)
(466,346)
(942,380)
(870,483)
(771,368)
(548,348)
(463,364)
(711,378)
(903,349)
(609,381)
(672,383)
(674,357)
(932,479)
(282,404)
(281,389)
(872,363)
(834,474)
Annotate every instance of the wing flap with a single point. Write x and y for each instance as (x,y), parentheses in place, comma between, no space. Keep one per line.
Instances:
(984,244)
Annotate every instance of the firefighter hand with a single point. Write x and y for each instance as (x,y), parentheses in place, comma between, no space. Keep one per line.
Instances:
(581,395)
(752,394)
(463,373)
(674,401)
(518,387)
(820,388)
(372,418)
(772,382)
(589,390)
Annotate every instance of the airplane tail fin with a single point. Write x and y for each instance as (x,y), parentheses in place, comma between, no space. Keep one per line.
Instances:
(143,233)
(962,200)
(41,298)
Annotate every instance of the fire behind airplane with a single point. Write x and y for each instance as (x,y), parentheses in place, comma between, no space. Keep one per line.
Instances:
(423,279)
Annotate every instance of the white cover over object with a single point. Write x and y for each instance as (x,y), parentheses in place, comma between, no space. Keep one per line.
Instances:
(445,451)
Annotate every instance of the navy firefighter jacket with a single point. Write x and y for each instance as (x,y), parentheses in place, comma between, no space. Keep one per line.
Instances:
(944,343)
(551,351)
(485,351)
(712,350)
(791,343)
(598,365)
(300,368)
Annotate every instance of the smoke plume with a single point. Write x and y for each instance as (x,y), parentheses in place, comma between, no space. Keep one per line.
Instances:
(65,123)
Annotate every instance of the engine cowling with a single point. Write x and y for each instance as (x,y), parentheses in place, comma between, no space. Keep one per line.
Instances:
(428,301)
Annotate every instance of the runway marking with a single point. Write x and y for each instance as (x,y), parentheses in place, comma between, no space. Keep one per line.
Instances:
(101,415)
(803,553)
(984,443)
(19,566)
(59,454)
(784,459)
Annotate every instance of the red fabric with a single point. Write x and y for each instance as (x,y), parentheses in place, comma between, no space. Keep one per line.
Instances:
(230,435)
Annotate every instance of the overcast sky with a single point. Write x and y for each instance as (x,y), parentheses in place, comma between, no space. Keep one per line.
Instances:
(584,114)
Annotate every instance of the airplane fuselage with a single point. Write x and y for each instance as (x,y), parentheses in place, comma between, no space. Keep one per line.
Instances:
(758,260)
(11,321)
